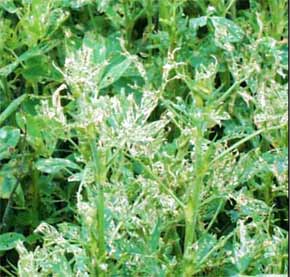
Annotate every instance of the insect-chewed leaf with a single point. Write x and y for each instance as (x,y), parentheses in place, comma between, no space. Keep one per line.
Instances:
(226,31)
(98,46)
(9,240)
(195,23)
(57,17)
(7,184)
(9,138)
(74,4)
(54,165)
(205,244)
(115,73)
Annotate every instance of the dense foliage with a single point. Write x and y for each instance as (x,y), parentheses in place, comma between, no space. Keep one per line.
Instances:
(143,137)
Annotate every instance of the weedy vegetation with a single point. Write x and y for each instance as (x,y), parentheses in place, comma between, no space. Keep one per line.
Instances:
(143,138)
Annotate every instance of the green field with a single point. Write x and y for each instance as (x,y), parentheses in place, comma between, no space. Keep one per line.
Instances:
(143,138)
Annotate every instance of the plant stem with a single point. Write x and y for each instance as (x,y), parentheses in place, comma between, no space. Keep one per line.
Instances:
(99,178)
(237,144)
(128,23)
(2,268)
(3,226)
(215,215)
(91,15)
(192,206)
(191,213)
(35,195)
(11,108)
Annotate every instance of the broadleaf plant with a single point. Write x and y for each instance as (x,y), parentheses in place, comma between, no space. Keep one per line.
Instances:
(143,138)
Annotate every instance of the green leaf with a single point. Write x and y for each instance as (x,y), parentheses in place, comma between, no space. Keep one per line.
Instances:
(19,196)
(42,132)
(12,108)
(56,18)
(205,244)
(9,137)
(8,5)
(7,184)
(40,68)
(115,73)
(9,240)
(243,263)
(33,52)
(54,165)
(103,5)
(198,22)
(154,241)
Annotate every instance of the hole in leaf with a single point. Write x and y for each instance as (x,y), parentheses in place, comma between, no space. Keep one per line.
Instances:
(243,84)
(217,80)
(243,5)
(202,32)
(281,211)
(216,132)
(139,28)
(191,9)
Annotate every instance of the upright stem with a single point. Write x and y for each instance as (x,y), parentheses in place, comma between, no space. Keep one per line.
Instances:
(268,189)
(149,11)
(3,225)
(35,195)
(92,18)
(192,207)
(128,23)
(11,108)
(191,213)
(99,179)
(233,9)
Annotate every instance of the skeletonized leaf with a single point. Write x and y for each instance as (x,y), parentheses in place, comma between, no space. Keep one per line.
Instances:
(227,29)
(226,32)
(9,138)
(115,73)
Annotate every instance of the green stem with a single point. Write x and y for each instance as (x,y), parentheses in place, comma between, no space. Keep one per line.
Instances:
(5,88)
(233,9)
(215,215)
(99,178)
(35,195)
(192,207)
(219,245)
(149,12)
(191,214)
(128,23)
(3,226)
(91,15)
(2,268)
(11,108)
(173,29)
(221,100)
(268,188)
(237,144)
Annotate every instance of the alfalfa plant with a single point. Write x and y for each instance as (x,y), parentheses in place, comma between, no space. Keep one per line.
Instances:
(143,139)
